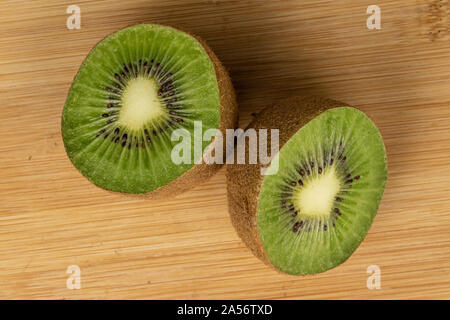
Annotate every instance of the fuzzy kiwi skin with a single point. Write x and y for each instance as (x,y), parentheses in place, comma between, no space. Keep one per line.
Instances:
(228,120)
(244,180)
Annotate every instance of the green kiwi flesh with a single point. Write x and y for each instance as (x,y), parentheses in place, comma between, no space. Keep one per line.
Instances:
(316,210)
(132,91)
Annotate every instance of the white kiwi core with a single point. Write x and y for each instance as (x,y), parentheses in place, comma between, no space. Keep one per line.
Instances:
(316,197)
(140,103)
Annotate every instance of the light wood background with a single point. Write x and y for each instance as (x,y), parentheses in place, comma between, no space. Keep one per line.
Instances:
(51,217)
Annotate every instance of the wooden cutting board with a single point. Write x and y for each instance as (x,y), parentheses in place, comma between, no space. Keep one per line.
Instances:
(185,247)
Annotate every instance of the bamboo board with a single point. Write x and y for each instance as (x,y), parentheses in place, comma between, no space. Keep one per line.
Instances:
(185,248)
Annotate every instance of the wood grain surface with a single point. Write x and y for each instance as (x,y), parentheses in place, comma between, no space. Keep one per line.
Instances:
(51,217)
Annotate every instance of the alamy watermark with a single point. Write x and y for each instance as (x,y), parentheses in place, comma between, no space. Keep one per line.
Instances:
(74,280)
(374,280)
(258,152)
(74,20)
(374,20)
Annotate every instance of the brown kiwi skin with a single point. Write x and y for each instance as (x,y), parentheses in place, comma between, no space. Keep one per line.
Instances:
(244,180)
(228,120)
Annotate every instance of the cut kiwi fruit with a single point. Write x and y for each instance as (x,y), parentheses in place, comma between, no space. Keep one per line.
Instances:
(132,91)
(314,211)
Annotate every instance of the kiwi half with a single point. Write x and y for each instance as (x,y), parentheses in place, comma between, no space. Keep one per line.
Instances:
(316,209)
(132,91)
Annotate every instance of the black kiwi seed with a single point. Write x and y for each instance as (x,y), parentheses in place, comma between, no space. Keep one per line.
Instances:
(105,115)
(116,140)
(349,181)
(356,177)
(168,76)
(338,199)
(167,83)
(286,194)
(293,183)
(116,131)
(302,172)
(337,211)
(124,143)
(297,226)
(320,170)
(300,182)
